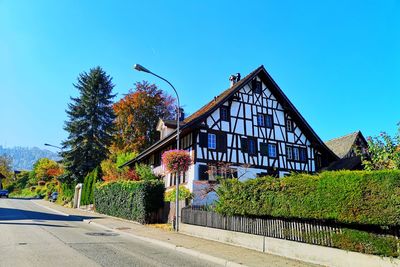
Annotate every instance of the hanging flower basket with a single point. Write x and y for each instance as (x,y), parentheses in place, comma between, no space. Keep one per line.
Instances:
(176,160)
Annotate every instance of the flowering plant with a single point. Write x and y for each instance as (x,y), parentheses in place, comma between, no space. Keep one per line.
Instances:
(176,160)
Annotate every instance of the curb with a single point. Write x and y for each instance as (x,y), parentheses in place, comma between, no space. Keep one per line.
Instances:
(167,245)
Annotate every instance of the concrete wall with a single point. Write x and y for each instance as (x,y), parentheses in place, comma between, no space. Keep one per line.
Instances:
(295,250)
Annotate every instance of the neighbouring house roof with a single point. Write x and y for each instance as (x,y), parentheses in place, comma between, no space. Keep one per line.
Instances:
(211,106)
(352,163)
(341,146)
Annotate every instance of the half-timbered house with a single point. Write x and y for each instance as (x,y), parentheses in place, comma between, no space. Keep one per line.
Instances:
(252,127)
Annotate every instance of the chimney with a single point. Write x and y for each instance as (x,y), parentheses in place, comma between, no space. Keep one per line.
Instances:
(234,78)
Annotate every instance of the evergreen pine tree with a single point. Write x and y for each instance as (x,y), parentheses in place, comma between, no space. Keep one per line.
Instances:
(90,124)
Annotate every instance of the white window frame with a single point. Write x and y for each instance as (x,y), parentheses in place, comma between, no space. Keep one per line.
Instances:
(212,141)
(296,153)
(272,151)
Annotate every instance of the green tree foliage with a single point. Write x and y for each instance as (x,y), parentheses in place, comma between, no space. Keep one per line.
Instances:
(112,172)
(383,152)
(88,186)
(362,197)
(145,172)
(46,169)
(137,116)
(90,125)
(5,170)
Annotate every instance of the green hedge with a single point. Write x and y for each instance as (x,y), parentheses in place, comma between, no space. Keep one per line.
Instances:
(360,197)
(132,200)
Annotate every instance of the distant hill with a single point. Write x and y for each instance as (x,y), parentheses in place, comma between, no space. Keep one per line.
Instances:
(23,158)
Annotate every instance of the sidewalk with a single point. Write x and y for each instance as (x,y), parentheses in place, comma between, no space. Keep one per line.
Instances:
(216,252)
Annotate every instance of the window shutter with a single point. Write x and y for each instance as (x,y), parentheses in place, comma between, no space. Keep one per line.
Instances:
(243,144)
(203,140)
(221,142)
(203,175)
(263,149)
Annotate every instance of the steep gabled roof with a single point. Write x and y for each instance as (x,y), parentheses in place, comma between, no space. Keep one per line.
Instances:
(211,106)
(341,146)
(221,98)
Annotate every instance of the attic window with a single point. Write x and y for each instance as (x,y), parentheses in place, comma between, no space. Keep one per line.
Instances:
(256,86)
(224,114)
(289,125)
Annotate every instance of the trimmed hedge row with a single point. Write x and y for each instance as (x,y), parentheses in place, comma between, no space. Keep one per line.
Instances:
(360,197)
(132,200)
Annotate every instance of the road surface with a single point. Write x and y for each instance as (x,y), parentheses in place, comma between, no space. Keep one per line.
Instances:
(32,235)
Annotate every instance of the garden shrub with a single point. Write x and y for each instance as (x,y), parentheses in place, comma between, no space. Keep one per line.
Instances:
(132,200)
(184,193)
(359,197)
(66,193)
(145,172)
(88,187)
(364,242)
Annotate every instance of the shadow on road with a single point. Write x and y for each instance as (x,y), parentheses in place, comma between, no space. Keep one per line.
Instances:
(35,224)
(9,214)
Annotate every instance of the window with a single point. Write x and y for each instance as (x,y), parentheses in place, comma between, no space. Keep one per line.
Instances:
(289,125)
(289,152)
(212,141)
(252,147)
(272,153)
(224,113)
(303,154)
(269,121)
(203,172)
(296,155)
(265,120)
(261,120)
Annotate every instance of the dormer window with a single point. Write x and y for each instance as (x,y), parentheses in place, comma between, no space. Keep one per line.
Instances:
(224,113)
(256,86)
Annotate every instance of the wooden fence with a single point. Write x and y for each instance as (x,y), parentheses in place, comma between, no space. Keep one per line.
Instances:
(307,231)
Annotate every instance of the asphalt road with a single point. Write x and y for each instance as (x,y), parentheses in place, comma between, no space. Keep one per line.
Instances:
(31,235)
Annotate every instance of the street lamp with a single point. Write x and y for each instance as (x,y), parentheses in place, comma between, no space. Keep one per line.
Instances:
(139,67)
(53,146)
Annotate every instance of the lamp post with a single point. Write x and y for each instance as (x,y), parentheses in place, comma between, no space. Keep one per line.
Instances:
(139,67)
(53,146)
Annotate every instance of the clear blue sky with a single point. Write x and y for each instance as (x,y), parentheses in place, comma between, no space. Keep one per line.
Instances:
(338,61)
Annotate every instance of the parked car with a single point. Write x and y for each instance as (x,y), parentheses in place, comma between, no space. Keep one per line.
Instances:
(3,193)
(53,197)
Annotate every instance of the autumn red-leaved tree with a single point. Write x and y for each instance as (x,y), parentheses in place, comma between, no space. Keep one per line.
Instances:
(137,114)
